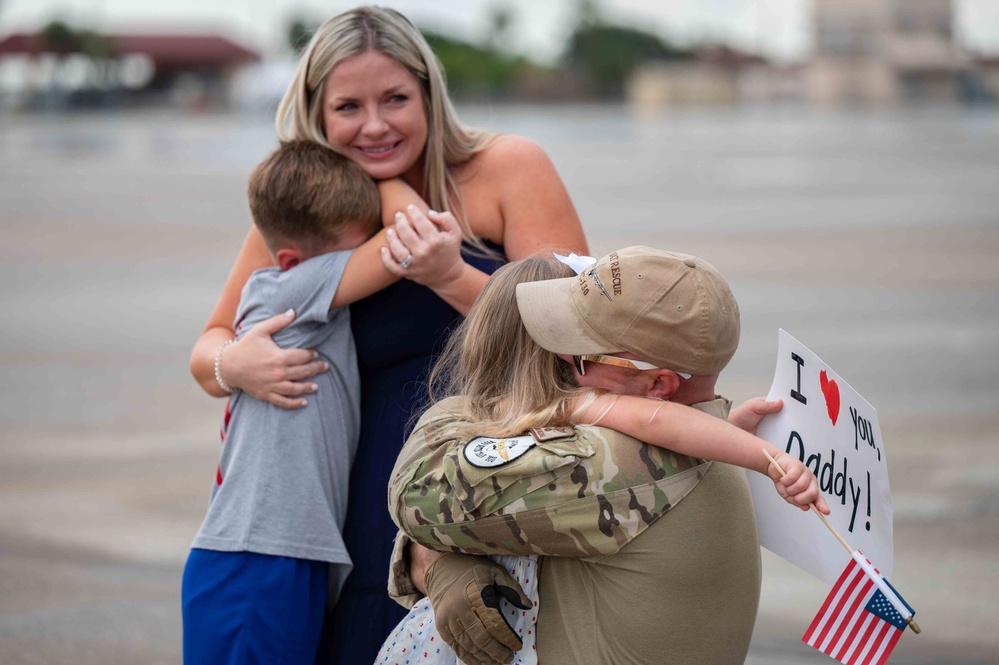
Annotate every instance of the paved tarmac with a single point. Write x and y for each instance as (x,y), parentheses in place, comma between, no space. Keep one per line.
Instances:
(872,238)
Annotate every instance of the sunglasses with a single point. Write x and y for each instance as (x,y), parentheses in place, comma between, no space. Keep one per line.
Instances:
(616,361)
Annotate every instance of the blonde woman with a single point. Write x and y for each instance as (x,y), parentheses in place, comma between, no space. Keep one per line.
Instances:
(369,87)
(581,430)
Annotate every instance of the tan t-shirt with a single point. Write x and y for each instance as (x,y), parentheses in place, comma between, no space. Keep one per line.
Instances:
(685,591)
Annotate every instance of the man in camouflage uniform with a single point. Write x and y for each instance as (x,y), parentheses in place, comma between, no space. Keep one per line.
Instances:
(687,590)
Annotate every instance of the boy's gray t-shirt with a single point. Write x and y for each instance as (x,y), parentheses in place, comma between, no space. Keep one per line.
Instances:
(283,476)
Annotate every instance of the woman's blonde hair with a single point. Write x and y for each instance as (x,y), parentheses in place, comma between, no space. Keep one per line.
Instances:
(357,31)
(509,383)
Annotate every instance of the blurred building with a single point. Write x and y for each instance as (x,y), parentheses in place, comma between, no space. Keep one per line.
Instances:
(867,52)
(192,70)
(884,52)
(716,75)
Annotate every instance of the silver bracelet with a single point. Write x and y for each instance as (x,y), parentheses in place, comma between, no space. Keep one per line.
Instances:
(218,366)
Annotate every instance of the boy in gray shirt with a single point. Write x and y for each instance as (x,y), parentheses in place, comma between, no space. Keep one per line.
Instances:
(255,583)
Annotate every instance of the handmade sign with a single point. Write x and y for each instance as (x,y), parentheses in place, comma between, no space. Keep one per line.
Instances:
(835,432)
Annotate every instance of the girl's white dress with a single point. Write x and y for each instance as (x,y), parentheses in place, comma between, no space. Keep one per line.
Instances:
(415,639)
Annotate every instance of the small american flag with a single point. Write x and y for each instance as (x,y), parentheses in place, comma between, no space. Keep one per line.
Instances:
(858,624)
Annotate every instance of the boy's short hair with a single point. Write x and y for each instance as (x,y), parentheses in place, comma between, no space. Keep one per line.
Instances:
(673,310)
(306,193)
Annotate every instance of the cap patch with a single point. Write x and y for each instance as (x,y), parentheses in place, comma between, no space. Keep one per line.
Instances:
(542,434)
(486,452)
(592,274)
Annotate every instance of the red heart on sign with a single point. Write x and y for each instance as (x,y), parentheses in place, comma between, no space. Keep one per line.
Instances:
(831,391)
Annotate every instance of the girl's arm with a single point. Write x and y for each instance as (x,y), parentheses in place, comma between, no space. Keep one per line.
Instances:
(256,364)
(692,432)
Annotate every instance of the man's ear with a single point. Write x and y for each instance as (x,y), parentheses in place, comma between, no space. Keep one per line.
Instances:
(289,257)
(664,384)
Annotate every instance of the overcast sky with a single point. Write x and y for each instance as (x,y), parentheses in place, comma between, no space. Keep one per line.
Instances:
(779,27)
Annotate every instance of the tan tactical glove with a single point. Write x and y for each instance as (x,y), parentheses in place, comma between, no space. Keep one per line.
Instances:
(465,591)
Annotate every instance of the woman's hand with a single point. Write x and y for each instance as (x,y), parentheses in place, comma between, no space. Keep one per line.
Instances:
(425,248)
(798,486)
(747,416)
(258,366)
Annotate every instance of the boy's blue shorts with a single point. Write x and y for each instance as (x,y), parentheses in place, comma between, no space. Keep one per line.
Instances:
(244,607)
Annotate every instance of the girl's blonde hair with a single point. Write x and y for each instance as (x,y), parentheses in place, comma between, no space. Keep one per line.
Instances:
(357,31)
(509,383)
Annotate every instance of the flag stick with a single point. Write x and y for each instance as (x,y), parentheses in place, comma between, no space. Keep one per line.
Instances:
(909,620)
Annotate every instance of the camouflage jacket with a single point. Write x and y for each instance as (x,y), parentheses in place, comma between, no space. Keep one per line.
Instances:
(580,492)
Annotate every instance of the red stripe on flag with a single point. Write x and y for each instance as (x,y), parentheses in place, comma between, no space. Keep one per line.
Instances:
(892,641)
(856,616)
(848,650)
(834,613)
(841,648)
(859,654)
(877,643)
(825,606)
(848,617)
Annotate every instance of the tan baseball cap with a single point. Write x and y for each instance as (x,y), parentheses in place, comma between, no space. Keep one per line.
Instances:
(672,310)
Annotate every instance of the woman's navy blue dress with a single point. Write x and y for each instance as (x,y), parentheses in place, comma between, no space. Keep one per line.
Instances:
(398,332)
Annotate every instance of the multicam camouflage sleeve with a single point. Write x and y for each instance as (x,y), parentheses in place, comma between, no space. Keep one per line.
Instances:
(401,588)
(578,492)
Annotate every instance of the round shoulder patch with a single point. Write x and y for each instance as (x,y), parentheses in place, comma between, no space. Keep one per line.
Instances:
(486,452)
